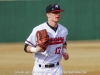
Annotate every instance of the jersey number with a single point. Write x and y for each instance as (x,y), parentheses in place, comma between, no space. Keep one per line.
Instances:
(57,51)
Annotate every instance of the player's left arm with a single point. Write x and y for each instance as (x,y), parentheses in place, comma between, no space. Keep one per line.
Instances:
(65,54)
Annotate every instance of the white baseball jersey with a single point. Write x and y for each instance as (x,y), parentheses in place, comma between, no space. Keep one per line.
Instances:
(53,53)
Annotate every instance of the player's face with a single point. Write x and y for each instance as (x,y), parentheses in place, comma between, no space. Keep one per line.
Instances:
(55,16)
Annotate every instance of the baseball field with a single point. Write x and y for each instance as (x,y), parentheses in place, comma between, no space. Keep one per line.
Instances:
(84,59)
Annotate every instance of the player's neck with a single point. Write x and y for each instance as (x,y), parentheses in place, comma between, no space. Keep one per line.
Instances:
(53,24)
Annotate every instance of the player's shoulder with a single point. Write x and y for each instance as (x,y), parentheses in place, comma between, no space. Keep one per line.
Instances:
(62,27)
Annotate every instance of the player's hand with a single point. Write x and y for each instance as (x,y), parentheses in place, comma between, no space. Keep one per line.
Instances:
(65,55)
(39,49)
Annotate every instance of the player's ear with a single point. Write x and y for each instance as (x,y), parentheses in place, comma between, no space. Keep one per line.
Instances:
(48,15)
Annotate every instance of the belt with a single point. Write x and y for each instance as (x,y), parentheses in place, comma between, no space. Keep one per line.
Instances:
(50,65)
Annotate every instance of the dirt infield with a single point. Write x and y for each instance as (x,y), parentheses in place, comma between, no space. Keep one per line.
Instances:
(84,59)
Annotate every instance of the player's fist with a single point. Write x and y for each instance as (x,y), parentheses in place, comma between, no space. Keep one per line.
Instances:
(65,56)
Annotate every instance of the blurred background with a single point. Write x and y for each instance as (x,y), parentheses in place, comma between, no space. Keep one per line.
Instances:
(18,18)
(81,18)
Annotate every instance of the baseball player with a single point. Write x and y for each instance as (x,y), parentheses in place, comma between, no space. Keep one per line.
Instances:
(47,60)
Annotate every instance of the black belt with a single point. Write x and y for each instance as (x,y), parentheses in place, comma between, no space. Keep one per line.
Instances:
(50,65)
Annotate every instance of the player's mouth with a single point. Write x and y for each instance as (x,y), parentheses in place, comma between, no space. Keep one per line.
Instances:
(57,17)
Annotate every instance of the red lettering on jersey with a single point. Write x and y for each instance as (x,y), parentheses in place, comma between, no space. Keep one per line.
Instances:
(62,38)
(50,40)
(53,43)
(57,40)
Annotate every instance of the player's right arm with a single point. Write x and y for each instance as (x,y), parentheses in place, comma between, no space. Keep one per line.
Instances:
(31,49)
(30,43)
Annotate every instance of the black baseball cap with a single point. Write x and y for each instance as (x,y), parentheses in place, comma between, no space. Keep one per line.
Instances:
(53,8)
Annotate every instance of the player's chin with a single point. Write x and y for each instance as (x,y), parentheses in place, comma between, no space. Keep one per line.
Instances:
(57,20)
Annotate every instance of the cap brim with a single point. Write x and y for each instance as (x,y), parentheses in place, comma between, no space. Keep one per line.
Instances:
(57,11)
